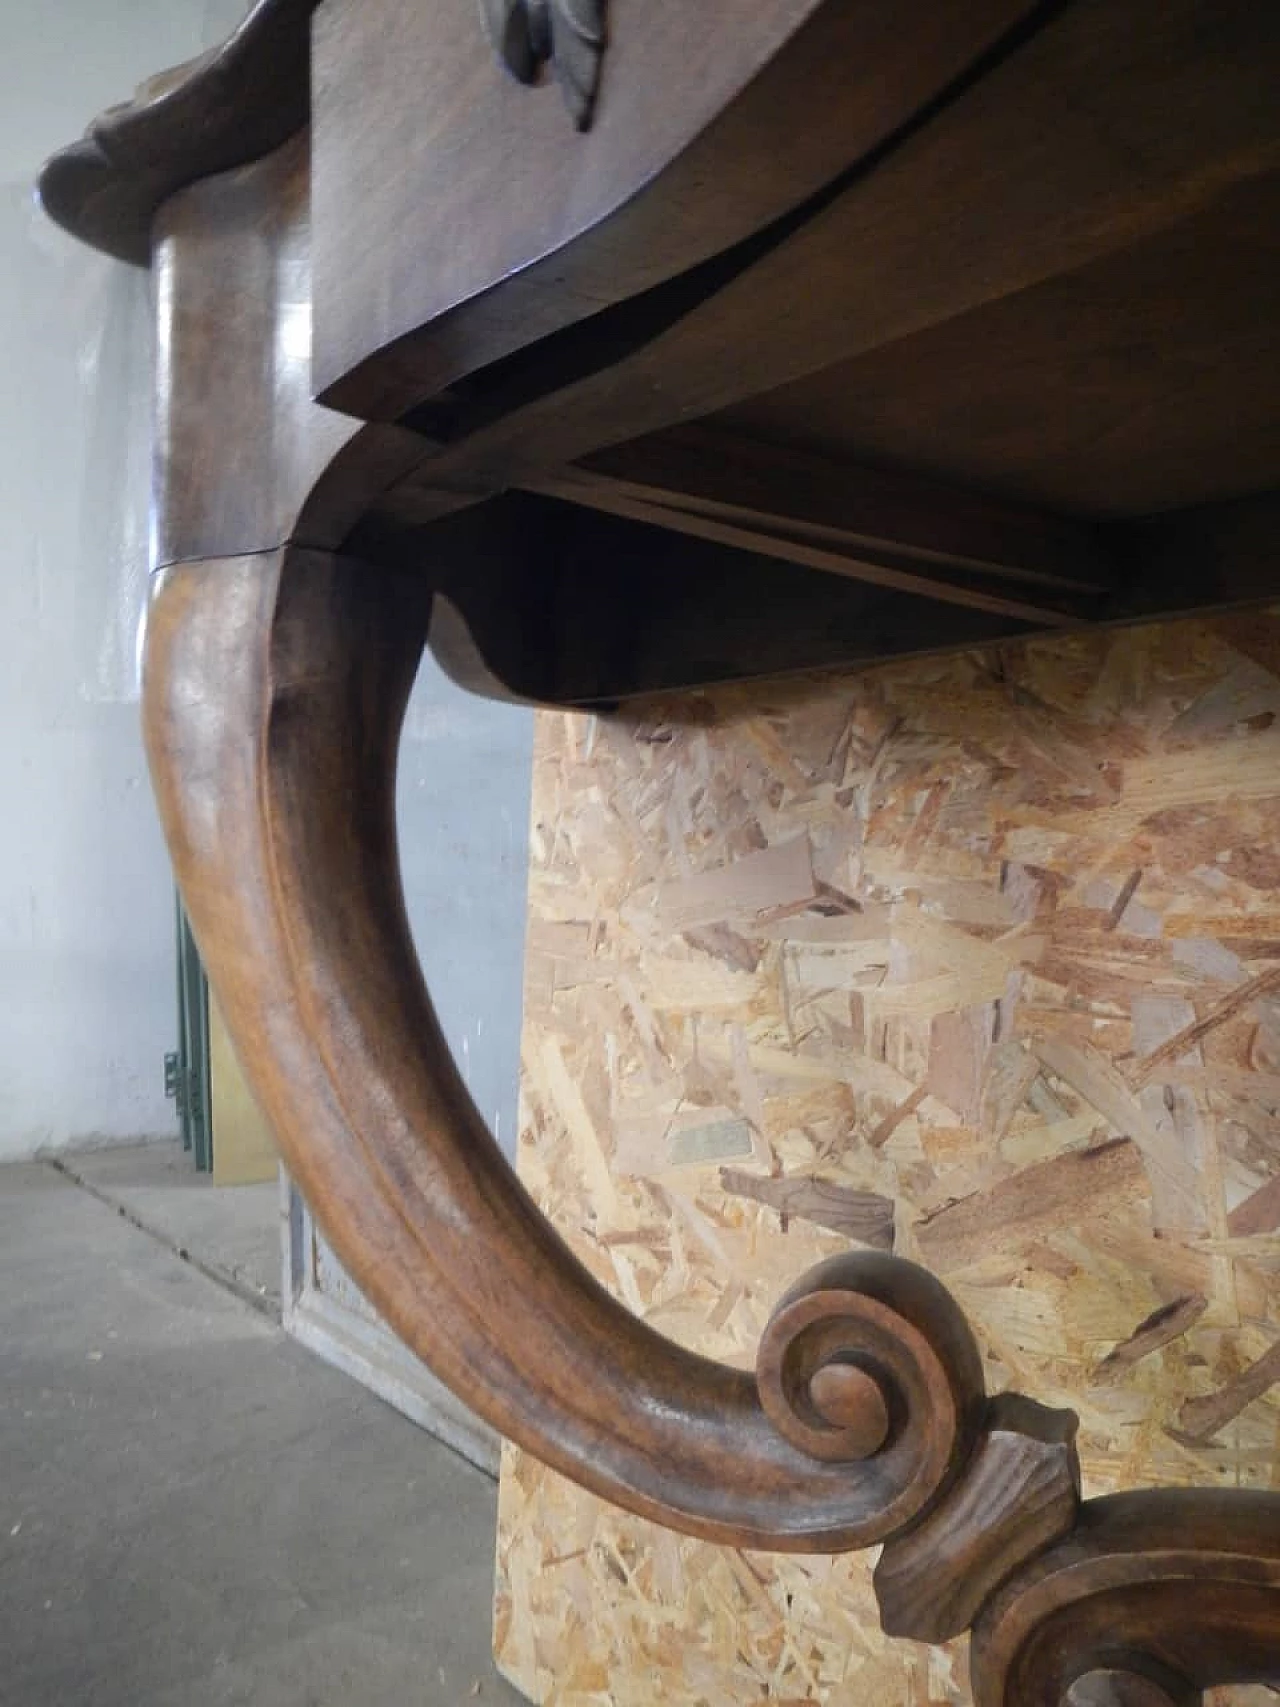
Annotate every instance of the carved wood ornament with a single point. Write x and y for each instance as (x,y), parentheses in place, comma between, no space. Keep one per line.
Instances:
(302,558)
(568,35)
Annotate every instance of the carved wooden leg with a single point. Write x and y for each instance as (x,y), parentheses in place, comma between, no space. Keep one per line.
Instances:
(274,689)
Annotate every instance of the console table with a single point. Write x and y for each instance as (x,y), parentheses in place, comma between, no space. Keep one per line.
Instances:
(610,350)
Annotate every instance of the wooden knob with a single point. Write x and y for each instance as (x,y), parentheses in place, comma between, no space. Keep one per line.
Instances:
(851,1400)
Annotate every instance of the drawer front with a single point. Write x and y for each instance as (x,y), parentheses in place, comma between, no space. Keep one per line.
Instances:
(460,215)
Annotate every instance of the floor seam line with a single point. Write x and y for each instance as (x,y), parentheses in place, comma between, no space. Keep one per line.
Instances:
(220,1277)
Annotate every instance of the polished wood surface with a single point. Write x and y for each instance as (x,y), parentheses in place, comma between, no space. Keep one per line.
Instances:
(273,691)
(459,218)
(239,443)
(1180,1589)
(1037,129)
(1160,361)
(971,298)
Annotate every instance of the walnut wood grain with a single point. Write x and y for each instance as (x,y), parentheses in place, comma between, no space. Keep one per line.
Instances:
(1183,314)
(273,689)
(244,459)
(274,685)
(239,443)
(1020,1494)
(460,219)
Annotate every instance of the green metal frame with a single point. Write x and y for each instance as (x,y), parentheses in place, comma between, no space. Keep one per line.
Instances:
(188,1078)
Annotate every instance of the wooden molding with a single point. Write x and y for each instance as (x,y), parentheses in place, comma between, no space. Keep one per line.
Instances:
(1021,1493)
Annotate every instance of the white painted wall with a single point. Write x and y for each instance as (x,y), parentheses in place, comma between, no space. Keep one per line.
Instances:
(86,929)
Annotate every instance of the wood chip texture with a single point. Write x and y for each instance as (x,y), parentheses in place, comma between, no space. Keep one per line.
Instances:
(975,958)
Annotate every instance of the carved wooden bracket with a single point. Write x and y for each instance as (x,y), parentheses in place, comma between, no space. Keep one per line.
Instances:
(273,691)
(569,34)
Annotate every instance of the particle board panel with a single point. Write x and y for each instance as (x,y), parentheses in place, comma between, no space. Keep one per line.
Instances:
(974,958)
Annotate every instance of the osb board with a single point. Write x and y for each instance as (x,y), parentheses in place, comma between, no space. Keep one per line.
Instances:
(978,957)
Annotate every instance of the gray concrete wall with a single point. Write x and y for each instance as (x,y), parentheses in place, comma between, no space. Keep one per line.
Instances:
(86,947)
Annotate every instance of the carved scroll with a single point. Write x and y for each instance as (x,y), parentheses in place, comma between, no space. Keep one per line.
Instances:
(1020,1494)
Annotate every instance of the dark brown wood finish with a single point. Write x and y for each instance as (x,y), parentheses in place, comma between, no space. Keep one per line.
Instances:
(1180,1589)
(274,685)
(867,1360)
(715,472)
(774,536)
(1021,1494)
(1063,154)
(535,613)
(239,443)
(701,137)
(244,459)
(1160,364)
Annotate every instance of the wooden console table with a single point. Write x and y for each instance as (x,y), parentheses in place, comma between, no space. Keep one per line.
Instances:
(693,346)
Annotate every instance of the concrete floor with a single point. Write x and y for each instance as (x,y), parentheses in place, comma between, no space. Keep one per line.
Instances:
(195,1512)
(231,1232)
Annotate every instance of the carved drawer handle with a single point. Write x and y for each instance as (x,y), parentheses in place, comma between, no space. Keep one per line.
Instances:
(567,34)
